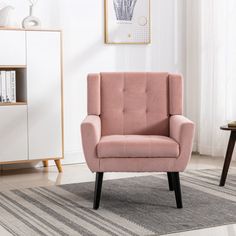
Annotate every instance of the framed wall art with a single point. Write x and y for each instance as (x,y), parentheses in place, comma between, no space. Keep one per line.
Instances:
(127,22)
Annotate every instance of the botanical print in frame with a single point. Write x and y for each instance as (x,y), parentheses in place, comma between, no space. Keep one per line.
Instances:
(127,22)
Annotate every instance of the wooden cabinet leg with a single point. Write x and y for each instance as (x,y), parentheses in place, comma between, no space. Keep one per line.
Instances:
(45,163)
(228,158)
(58,164)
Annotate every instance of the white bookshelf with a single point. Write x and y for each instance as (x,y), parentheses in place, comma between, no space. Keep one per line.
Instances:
(32,128)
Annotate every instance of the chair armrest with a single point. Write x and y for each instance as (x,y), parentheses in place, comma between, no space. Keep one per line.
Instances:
(182,131)
(91,135)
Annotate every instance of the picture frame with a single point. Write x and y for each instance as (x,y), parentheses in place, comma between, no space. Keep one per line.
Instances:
(127,21)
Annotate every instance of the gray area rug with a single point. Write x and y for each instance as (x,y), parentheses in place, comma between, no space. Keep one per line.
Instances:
(131,206)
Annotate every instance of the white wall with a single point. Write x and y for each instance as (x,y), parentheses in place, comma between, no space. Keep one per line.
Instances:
(82,22)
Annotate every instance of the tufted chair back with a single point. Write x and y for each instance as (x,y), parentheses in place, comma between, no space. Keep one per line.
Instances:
(135,103)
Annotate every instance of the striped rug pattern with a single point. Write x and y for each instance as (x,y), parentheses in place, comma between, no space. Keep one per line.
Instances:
(208,182)
(67,210)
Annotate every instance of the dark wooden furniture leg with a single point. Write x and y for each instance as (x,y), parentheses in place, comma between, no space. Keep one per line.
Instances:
(228,157)
(170,181)
(177,188)
(98,190)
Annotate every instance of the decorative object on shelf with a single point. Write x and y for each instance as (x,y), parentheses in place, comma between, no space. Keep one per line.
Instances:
(127,22)
(232,124)
(31,21)
(6,15)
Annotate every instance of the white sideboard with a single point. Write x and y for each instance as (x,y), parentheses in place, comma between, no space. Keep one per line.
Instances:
(12,47)
(32,128)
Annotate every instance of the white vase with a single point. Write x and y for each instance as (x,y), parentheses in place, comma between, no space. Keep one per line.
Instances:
(31,21)
(6,16)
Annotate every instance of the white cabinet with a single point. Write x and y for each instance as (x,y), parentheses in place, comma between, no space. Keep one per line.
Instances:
(32,128)
(44,94)
(12,47)
(13,133)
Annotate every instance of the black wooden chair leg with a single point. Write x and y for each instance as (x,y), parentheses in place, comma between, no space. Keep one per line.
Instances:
(177,188)
(98,190)
(170,181)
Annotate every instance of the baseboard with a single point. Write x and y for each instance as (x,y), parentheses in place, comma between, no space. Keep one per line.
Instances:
(73,157)
(194,147)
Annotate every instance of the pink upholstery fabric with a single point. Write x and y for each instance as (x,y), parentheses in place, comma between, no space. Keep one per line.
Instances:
(134,103)
(141,165)
(91,135)
(94,95)
(182,130)
(137,146)
(175,95)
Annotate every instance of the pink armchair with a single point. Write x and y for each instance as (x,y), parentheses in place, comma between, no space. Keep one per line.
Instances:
(135,124)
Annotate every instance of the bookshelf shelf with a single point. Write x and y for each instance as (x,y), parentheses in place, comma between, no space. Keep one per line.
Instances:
(13,103)
(19,87)
(31,108)
(13,67)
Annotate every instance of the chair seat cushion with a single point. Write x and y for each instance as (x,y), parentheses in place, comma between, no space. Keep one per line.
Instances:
(137,146)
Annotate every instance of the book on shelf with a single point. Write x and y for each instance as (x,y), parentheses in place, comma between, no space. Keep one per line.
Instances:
(13,86)
(3,79)
(0,87)
(8,86)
